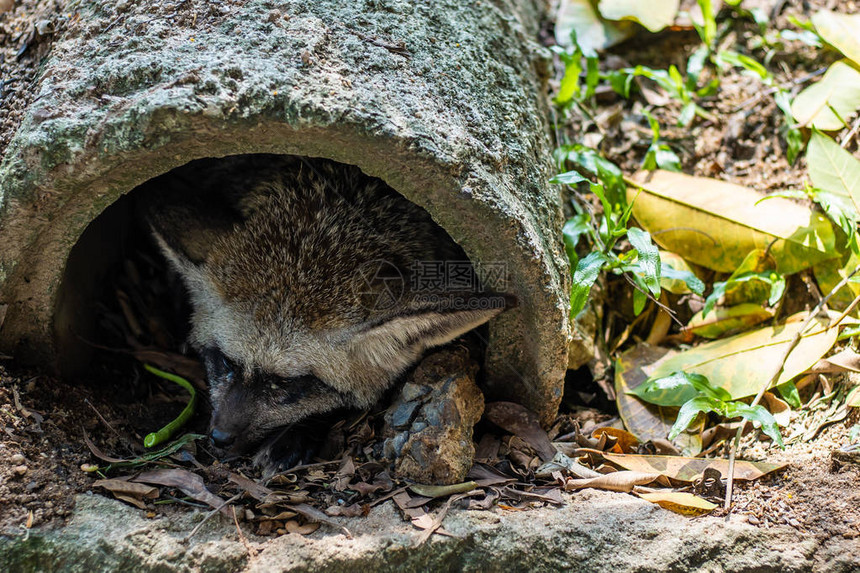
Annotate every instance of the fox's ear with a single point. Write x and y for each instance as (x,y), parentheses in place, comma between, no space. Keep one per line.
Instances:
(399,341)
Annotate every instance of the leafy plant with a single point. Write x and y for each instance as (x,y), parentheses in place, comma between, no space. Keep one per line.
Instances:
(673,83)
(695,394)
(642,262)
(659,154)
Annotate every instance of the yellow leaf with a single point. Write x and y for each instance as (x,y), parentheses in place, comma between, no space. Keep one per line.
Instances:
(728,319)
(680,502)
(743,363)
(716,224)
(687,469)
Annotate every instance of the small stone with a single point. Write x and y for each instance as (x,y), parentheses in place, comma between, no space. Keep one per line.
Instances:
(19,470)
(438,446)
(16,459)
(402,414)
(412,392)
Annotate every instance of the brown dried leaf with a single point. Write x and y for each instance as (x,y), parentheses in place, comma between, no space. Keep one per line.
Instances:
(344,474)
(484,476)
(314,514)
(127,488)
(625,442)
(189,483)
(432,491)
(522,422)
(252,488)
(306,529)
(617,481)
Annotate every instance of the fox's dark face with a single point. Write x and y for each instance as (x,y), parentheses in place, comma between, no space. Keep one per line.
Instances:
(284,332)
(249,407)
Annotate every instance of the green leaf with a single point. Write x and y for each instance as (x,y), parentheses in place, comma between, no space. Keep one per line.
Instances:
(592,75)
(606,171)
(649,258)
(695,65)
(833,169)
(756,414)
(692,281)
(707,32)
(789,393)
(749,64)
(568,178)
(639,300)
(688,112)
(573,229)
(586,273)
(667,159)
(620,81)
(690,410)
(678,388)
(569,88)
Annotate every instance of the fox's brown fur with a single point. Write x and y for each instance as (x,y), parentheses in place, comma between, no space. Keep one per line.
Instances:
(280,259)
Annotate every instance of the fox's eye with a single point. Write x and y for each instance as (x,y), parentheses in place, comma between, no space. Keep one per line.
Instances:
(218,366)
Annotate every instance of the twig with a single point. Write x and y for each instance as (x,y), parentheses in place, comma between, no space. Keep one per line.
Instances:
(209,516)
(791,345)
(650,297)
(850,135)
(105,422)
(847,311)
(252,551)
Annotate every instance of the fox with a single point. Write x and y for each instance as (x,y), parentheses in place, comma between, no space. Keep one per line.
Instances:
(300,274)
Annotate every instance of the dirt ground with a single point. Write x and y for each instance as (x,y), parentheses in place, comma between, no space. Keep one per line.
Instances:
(43,420)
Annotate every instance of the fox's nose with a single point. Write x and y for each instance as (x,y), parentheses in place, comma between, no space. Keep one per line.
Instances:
(221,439)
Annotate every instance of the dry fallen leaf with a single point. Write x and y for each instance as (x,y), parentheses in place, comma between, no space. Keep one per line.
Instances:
(189,483)
(625,441)
(127,491)
(687,469)
(521,422)
(616,481)
(680,502)
(432,491)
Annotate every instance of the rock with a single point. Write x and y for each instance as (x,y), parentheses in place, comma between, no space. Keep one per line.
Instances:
(16,459)
(594,531)
(429,426)
(19,470)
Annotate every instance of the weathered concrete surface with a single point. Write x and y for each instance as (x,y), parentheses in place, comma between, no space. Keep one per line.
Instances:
(458,126)
(596,531)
